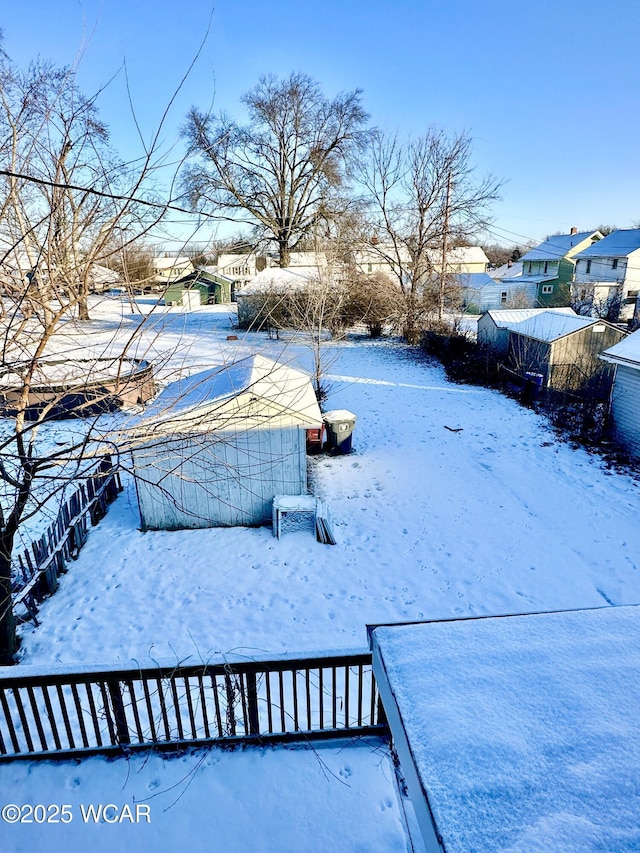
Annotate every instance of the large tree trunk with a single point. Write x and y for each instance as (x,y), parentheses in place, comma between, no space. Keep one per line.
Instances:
(284,252)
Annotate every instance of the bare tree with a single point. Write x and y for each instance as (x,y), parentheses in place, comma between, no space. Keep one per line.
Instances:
(67,203)
(281,172)
(423,199)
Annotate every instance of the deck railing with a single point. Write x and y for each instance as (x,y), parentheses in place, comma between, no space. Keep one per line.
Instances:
(117,710)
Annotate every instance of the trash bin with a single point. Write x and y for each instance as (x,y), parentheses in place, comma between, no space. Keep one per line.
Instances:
(340,425)
(533,384)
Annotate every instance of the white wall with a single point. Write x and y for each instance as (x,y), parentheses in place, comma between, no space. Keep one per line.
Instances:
(625,409)
(219,480)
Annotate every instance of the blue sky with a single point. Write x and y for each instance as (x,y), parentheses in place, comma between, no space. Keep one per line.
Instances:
(548,90)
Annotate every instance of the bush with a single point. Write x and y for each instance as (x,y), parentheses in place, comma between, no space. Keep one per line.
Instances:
(461,357)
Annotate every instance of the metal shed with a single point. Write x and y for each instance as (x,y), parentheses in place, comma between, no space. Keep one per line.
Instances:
(216,447)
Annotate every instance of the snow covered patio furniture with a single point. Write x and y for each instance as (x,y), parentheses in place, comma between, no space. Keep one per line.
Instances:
(216,448)
(517,732)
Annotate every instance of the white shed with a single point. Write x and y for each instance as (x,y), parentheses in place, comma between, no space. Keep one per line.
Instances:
(215,448)
(625,397)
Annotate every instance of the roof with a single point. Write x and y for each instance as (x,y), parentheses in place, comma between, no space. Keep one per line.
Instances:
(170,263)
(474,280)
(626,352)
(279,278)
(551,325)
(508,317)
(557,246)
(619,244)
(522,730)
(507,271)
(252,393)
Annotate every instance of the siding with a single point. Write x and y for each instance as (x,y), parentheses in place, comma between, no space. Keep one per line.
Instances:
(220,480)
(625,409)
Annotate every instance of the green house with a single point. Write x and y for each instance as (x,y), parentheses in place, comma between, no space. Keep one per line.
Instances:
(550,266)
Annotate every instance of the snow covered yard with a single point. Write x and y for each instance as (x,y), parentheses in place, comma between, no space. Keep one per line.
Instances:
(456,501)
(495,517)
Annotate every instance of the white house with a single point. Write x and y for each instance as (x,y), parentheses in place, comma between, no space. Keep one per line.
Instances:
(607,276)
(625,397)
(166,269)
(215,448)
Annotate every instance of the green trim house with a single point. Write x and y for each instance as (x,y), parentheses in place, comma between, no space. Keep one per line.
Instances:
(548,269)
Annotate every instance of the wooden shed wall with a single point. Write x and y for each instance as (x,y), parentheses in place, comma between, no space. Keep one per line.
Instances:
(625,409)
(219,480)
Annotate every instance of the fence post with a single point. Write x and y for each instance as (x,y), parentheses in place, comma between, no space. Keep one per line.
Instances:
(122,729)
(252,704)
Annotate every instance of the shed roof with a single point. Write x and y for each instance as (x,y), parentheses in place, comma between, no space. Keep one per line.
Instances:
(626,352)
(618,244)
(253,393)
(557,247)
(551,325)
(522,730)
(506,318)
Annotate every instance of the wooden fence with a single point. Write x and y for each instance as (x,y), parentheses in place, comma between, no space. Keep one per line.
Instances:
(36,569)
(115,711)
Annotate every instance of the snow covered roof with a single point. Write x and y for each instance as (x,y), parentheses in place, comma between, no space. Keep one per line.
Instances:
(279,279)
(474,280)
(626,352)
(507,271)
(253,392)
(508,317)
(467,255)
(170,263)
(522,731)
(550,325)
(557,247)
(619,244)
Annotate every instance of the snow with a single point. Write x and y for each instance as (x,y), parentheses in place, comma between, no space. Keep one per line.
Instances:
(524,730)
(618,244)
(556,247)
(499,516)
(507,318)
(551,325)
(246,800)
(626,352)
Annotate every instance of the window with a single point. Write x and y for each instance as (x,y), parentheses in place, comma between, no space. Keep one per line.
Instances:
(547,288)
(369,267)
(503,296)
(546,267)
(588,266)
(529,266)
(614,264)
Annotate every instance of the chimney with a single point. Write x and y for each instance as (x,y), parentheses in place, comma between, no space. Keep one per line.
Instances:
(574,230)
(509,263)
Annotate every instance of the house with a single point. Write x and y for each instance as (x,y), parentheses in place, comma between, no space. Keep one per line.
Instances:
(562,351)
(395,261)
(625,396)
(607,276)
(494,325)
(548,269)
(481,292)
(517,732)
(166,269)
(215,448)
